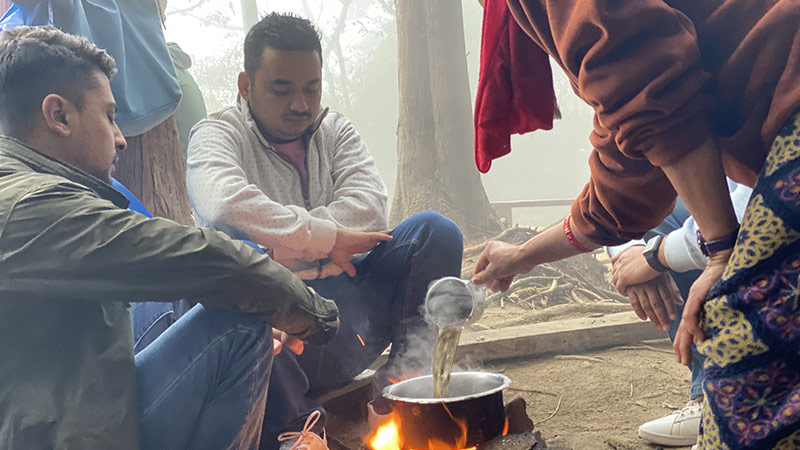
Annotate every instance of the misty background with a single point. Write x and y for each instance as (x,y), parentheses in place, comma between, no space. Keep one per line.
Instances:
(360,80)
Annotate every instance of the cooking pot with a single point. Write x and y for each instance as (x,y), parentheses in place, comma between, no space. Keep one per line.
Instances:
(475,402)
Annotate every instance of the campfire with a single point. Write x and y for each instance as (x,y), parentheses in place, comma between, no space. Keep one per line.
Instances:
(472,415)
(517,434)
(448,410)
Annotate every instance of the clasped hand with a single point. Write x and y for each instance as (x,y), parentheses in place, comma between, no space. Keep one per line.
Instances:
(652,295)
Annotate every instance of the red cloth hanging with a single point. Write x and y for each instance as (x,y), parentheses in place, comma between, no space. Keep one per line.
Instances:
(515,86)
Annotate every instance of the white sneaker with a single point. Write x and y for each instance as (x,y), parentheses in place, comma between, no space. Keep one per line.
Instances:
(679,429)
(305,439)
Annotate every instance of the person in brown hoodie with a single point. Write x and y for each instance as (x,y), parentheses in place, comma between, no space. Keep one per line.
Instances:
(684,93)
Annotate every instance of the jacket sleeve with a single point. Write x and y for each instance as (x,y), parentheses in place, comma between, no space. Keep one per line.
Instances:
(63,242)
(222,196)
(638,64)
(359,193)
(624,198)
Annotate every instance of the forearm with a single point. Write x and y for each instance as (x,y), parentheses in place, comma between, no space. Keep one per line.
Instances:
(699,179)
(362,210)
(552,245)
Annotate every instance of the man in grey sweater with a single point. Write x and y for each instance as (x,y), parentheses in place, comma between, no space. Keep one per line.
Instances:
(295,178)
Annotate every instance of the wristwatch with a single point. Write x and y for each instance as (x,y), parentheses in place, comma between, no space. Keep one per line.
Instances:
(717,245)
(650,254)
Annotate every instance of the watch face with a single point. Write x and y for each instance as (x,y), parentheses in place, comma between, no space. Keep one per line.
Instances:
(652,245)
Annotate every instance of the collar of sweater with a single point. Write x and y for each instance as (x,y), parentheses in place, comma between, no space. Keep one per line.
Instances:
(244,108)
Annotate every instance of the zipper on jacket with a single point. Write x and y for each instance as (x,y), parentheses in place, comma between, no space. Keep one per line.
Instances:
(303,189)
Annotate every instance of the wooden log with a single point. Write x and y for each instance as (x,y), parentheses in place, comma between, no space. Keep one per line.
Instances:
(558,336)
(561,336)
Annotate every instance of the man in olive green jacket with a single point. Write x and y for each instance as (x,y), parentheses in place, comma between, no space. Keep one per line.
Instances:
(72,258)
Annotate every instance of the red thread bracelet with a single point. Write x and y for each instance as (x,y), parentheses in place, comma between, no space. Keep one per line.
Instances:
(571,237)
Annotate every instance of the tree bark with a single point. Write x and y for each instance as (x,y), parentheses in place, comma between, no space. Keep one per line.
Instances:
(435,169)
(152,168)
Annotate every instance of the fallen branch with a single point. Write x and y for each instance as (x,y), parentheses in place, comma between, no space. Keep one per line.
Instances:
(554,411)
(643,347)
(581,358)
(532,391)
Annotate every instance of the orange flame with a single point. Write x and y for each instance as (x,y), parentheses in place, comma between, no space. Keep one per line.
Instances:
(435,444)
(387,436)
(404,376)
(505,427)
(360,339)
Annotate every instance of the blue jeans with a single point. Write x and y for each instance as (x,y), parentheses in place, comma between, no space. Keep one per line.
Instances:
(381,304)
(202,384)
(684,282)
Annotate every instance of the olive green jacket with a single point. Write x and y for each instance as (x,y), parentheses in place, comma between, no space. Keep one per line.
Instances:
(71,258)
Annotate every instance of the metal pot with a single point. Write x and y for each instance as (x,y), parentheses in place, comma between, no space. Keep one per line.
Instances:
(475,402)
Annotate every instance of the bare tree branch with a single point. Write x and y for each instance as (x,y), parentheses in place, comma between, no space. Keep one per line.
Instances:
(205,21)
(342,74)
(309,13)
(388,7)
(187,9)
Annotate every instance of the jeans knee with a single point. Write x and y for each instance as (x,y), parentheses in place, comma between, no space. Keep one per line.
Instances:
(440,236)
(253,332)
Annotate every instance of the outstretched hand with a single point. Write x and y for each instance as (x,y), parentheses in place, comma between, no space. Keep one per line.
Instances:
(352,242)
(689,331)
(497,266)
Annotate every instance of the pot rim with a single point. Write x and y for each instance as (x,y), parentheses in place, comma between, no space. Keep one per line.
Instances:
(506,382)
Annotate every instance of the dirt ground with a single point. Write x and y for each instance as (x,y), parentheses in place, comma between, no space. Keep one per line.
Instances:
(594,400)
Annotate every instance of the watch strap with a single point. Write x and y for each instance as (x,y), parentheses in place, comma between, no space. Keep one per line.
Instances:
(717,245)
(651,254)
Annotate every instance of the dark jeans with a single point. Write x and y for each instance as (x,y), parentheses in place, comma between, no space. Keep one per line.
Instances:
(202,384)
(381,304)
(684,282)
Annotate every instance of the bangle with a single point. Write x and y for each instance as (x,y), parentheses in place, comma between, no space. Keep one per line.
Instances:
(571,237)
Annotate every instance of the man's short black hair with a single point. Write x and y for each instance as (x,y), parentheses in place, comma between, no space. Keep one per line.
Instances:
(38,61)
(280,31)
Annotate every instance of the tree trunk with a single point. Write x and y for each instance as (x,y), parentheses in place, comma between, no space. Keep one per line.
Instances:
(249,14)
(435,169)
(152,168)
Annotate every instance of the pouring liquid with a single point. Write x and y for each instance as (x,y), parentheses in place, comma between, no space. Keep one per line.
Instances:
(443,356)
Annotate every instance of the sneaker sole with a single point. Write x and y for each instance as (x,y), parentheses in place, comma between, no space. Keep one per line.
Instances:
(667,439)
